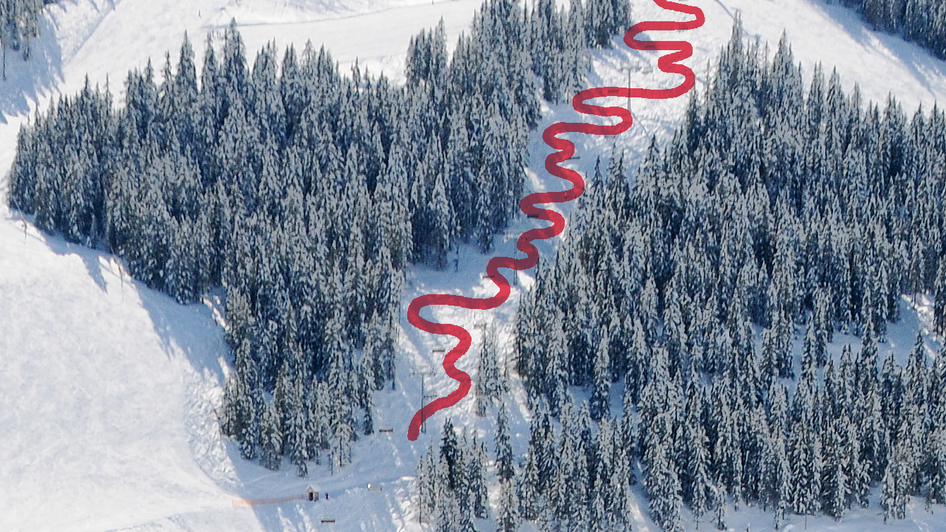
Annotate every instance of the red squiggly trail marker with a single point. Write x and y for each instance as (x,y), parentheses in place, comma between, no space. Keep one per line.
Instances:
(564,150)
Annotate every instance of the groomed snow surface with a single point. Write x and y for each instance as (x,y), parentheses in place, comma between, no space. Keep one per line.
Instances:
(109,391)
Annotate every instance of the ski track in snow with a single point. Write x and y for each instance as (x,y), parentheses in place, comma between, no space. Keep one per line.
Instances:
(108,390)
(564,149)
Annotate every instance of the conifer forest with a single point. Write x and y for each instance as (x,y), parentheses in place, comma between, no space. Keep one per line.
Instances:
(19,25)
(922,22)
(706,289)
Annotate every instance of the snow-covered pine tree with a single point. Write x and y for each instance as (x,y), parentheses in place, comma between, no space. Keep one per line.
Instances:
(508,519)
(270,437)
(805,457)
(476,478)
(450,454)
(663,489)
(935,468)
(834,481)
(429,485)
(19,25)
(697,486)
(528,489)
(489,380)
(504,457)
(601,387)
(896,484)
(939,294)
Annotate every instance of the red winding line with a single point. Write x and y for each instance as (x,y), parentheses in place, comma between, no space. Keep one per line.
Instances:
(564,150)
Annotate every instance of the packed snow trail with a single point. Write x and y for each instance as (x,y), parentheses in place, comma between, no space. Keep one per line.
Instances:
(564,150)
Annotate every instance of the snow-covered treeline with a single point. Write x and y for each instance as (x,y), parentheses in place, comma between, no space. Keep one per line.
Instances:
(304,193)
(19,23)
(920,21)
(774,209)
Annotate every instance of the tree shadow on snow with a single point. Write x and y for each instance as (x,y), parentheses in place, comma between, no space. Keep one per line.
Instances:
(93,260)
(27,80)
(189,329)
(919,61)
(190,334)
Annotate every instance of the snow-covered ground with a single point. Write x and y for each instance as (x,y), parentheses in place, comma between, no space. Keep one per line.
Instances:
(108,390)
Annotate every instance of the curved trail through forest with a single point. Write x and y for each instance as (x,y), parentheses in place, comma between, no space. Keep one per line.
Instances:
(564,149)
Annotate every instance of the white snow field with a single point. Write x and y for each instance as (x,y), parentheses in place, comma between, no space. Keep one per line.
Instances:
(108,390)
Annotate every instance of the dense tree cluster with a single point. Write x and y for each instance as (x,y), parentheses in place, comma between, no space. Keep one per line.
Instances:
(304,193)
(491,380)
(452,483)
(773,210)
(920,21)
(575,477)
(19,24)
(558,38)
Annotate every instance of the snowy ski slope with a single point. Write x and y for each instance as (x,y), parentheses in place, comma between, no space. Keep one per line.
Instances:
(108,390)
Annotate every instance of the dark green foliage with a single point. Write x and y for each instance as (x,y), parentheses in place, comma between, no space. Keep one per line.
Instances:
(575,477)
(795,211)
(508,520)
(490,382)
(504,458)
(453,486)
(939,293)
(303,192)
